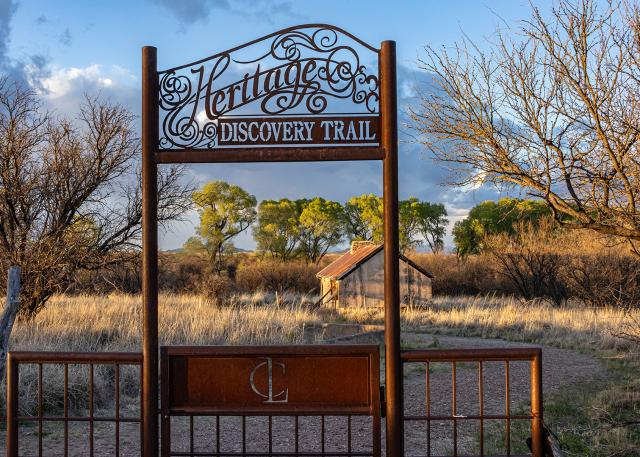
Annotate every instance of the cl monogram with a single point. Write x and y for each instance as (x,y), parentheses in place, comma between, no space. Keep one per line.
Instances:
(281,397)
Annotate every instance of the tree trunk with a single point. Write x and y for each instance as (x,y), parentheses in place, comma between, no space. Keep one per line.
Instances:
(9,315)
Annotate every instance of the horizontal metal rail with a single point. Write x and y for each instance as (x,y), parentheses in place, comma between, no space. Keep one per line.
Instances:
(64,359)
(532,355)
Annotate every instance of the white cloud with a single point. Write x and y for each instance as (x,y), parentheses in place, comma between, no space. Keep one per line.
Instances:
(59,82)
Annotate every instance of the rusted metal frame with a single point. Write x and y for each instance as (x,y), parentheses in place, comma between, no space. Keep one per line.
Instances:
(65,403)
(78,419)
(260,351)
(91,423)
(262,454)
(389,142)
(273,154)
(468,417)
(481,405)
(321,434)
(191,434)
(537,431)
(506,355)
(12,406)
(348,435)
(428,407)
(454,407)
(77,358)
(40,407)
(274,34)
(507,407)
(117,408)
(165,417)
(217,433)
(16,358)
(469,355)
(150,139)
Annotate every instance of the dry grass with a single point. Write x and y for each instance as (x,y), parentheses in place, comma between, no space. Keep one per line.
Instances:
(113,322)
(575,327)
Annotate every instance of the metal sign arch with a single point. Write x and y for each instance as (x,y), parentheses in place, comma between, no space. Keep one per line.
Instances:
(183,122)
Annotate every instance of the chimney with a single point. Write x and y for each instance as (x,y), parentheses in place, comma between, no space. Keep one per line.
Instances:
(355,245)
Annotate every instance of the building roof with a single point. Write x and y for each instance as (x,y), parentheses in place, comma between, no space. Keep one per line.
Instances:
(350,261)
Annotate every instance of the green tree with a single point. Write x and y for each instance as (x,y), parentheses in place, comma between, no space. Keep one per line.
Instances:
(490,217)
(321,227)
(277,229)
(422,222)
(363,218)
(225,211)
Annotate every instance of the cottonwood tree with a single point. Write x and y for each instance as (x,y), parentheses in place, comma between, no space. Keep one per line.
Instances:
(277,228)
(70,192)
(419,221)
(226,210)
(552,108)
(320,228)
(363,216)
(422,222)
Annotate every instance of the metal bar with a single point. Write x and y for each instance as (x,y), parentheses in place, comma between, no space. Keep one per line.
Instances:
(507,403)
(117,409)
(428,407)
(537,434)
(275,154)
(296,437)
(91,445)
(270,435)
(65,403)
(77,419)
(468,355)
(150,251)
(40,408)
(77,358)
(191,434)
(13,424)
(466,417)
(454,408)
(322,434)
(217,433)
(481,406)
(262,454)
(348,435)
(389,141)
(244,434)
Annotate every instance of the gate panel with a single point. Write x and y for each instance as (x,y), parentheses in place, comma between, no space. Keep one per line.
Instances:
(71,418)
(272,401)
(459,363)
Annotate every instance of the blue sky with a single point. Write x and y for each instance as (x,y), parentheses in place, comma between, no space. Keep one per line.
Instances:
(67,48)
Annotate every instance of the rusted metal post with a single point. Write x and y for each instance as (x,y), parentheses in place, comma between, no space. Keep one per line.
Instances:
(149,252)
(389,141)
(12,407)
(537,433)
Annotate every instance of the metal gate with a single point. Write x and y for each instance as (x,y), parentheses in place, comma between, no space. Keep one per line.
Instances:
(275,401)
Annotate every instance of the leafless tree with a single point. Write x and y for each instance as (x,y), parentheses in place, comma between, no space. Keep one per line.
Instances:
(530,259)
(552,107)
(70,191)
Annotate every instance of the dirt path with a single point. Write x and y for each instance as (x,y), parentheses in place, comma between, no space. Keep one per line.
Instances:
(561,369)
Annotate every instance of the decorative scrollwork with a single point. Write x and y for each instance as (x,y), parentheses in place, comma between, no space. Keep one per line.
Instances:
(303,70)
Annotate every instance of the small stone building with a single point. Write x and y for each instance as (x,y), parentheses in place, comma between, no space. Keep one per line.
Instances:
(357,279)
